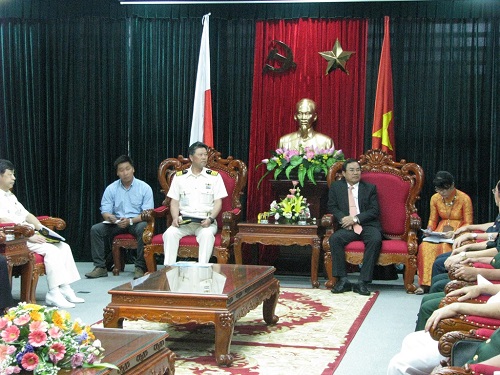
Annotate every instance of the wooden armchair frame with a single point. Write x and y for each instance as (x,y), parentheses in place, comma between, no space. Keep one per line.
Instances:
(227,220)
(375,164)
(20,261)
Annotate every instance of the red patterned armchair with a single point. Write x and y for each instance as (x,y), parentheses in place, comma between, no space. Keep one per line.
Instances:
(447,347)
(398,188)
(234,174)
(53,223)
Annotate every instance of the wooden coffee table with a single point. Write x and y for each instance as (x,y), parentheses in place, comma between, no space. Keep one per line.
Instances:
(282,235)
(133,352)
(217,294)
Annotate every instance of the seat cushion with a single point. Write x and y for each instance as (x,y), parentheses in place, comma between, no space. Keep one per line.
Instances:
(388,247)
(124,236)
(38,258)
(185,241)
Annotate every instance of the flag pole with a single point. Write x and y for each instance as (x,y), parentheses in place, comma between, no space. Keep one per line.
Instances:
(202,123)
(383,124)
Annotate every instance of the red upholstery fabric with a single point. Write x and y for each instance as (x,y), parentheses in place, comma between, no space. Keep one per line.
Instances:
(185,241)
(483,369)
(485,322)
(124,236)
(229,183)
(483,265)
(484,332)
(392,193)
(38,258)
(388,246)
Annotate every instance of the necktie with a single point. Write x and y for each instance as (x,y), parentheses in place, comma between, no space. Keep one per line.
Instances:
(353,211)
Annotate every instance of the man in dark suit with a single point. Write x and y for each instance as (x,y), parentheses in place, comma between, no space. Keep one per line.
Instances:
(358,219)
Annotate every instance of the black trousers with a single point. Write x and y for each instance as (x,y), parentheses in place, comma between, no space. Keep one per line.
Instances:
(372,238)
(5,288)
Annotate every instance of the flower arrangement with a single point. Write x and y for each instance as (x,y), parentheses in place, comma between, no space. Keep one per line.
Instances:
(307,161)
(43,340)
(292,207)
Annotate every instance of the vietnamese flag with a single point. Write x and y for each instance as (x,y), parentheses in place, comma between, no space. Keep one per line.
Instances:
(383,126)
(202,125)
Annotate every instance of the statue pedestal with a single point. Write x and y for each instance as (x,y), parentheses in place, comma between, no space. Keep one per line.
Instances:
(317,195)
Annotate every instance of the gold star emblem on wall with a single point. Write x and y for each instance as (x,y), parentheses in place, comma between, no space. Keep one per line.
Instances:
(337,58)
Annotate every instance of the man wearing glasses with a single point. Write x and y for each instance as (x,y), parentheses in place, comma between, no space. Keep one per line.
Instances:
(355,207)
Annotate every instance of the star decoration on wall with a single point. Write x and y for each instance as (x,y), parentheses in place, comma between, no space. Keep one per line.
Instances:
(337,58)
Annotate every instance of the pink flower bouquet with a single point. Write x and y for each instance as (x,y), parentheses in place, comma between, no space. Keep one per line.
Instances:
(43,340)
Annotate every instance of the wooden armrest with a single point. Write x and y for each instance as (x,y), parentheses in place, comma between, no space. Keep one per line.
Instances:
(17,230)
(150,216)
(452,370)
(52,222)
(415,222)
(448,339)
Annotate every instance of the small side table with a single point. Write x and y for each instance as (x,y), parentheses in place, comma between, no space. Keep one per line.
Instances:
(282,235)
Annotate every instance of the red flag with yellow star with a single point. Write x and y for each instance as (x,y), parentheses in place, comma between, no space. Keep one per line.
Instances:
(383,126)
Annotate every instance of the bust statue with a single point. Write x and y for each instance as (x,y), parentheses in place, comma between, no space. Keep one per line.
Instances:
(305,136)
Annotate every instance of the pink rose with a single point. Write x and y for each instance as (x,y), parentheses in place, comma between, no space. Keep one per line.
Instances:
(77,360)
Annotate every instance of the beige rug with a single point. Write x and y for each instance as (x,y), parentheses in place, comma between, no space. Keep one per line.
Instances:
(311,337)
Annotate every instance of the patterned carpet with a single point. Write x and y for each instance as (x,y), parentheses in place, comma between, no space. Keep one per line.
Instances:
(311,337)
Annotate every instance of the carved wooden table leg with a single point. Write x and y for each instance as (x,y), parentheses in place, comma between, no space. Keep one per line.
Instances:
(238,258)
(316,248)
(224,327)
(111,318)
(269,306)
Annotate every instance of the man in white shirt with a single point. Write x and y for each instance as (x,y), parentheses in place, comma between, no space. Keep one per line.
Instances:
(57,257)
(196,196)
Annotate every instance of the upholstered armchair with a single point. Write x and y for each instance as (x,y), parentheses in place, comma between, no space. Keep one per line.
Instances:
(53,223)
(449,346)
(398,188)
(234,174)
(123,241)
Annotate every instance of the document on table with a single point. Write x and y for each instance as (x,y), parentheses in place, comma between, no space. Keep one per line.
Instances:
(435,237)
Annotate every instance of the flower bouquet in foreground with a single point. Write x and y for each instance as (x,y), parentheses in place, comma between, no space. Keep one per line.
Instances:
(293,207)
(43,340)
(306,161)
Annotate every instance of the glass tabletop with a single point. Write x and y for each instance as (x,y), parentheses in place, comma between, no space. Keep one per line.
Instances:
(197,278)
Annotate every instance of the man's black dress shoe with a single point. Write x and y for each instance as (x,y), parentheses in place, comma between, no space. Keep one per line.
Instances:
(342,286)
(361,288)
